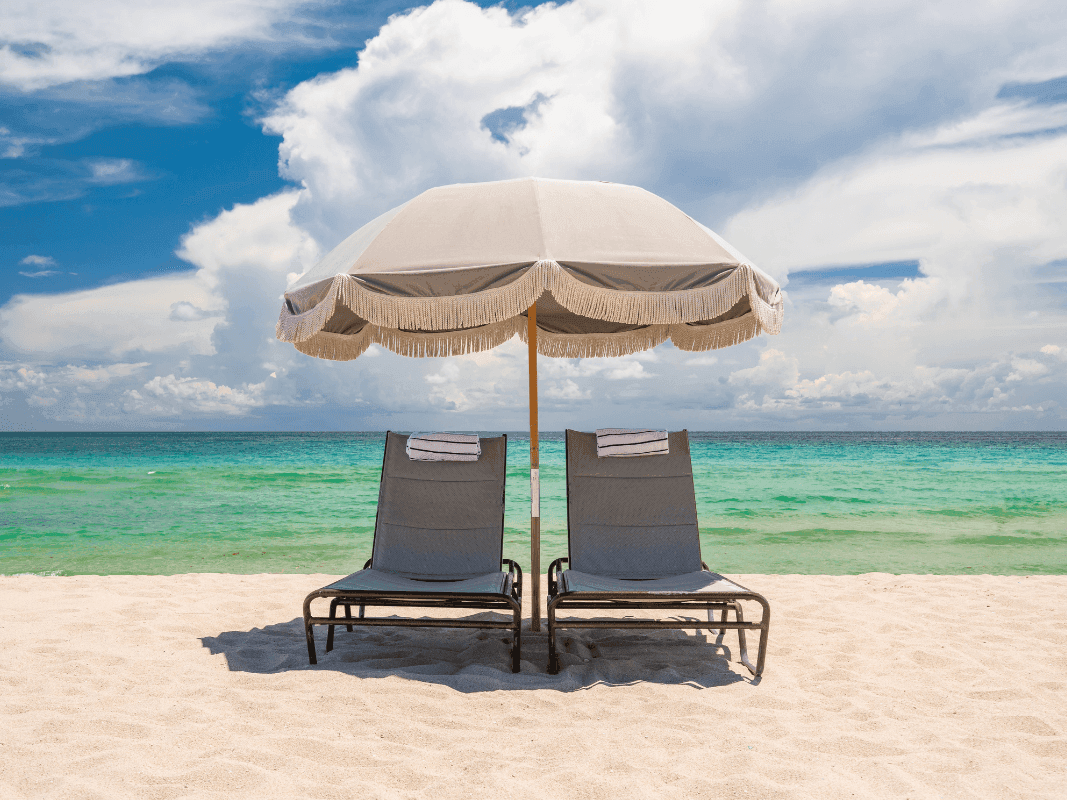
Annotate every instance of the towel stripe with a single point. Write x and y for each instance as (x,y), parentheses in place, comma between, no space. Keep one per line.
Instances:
(623,443)
(444,447)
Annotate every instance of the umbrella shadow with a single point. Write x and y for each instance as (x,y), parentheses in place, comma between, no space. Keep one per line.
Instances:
(477,660)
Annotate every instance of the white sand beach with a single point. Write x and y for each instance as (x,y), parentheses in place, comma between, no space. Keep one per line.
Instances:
(198,686)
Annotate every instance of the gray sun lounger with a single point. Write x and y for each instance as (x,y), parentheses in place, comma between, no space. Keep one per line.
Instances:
(633,543)
(438,540)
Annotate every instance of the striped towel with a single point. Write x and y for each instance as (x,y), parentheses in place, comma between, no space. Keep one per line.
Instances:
(611,442)
(444,447)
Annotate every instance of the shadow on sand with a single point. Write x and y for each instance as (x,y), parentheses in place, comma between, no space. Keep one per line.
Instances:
(471,660)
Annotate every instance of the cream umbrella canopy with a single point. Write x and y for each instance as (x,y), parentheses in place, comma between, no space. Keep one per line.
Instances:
(576,268)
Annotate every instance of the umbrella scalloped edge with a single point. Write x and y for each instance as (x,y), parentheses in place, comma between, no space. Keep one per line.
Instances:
(691,338)
(345,347)
(458,313)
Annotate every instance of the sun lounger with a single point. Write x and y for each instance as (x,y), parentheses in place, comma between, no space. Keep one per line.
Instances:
(633,543)
(438,539)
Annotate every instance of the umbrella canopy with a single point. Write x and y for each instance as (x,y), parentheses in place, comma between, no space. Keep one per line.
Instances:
(614,269)
(576,268)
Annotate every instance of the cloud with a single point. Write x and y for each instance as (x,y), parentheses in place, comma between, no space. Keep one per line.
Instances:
(184,311)
(775,368)
(449,372)
(910,156)
(68,393)
(1016,384)
(709,104)
(59,41)
(110,320)
(702,361)
(254,239)
(15,376)
(566,390)
(44,180)
(947,206)
(173,396)
(1026,369)
(811,135)
(39,261)
(221,315)
(868,304)
(627,371)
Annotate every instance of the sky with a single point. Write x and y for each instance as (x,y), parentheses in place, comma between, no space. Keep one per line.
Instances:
(900,167)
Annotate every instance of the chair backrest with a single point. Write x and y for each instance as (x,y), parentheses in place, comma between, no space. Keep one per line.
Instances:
(631,517)
(440,519)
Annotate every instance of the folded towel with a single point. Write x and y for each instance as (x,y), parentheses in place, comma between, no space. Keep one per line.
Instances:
(617,442)
(444,447)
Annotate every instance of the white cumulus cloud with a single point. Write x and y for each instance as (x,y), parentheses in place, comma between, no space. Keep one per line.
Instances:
(50,42)
(174,396)
(810,134)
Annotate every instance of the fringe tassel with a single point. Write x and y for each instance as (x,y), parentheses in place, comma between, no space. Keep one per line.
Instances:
(650,308)
(593,345)
(345,347)
(446,313)
(495,306)
(449,343)
(336,346)
(697,338)
(301,327)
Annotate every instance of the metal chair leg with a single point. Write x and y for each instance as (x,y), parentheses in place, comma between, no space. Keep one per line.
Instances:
(711,618)
(553,659)
(516,642)
(739,614)
(333,615)
(308,632)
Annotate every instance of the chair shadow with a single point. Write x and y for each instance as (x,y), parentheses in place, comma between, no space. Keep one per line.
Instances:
(478,660)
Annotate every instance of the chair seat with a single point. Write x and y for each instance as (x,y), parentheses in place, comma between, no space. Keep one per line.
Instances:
(376,580)
(700,582)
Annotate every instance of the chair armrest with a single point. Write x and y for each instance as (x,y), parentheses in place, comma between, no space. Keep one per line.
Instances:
(367,565)
(705,567)
(553,578)
(516,572)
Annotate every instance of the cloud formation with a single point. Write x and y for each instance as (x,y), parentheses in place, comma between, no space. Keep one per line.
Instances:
(810,135)
(50,42)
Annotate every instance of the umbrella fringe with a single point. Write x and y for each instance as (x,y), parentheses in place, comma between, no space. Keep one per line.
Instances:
(415,344)
(698,338)
(444,313)
(336,346)
(345,347)
(650,308)
(448,343)
(597,345)
(493,306)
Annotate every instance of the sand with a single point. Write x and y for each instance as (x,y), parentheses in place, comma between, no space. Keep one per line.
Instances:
(199,686)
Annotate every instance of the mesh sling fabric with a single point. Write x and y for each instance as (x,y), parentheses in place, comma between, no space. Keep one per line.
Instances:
(631,518)
(441,520)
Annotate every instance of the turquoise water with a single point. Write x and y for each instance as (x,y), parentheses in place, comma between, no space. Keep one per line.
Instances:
(768,502)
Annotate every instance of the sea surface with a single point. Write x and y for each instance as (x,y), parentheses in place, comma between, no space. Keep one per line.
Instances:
(814,503)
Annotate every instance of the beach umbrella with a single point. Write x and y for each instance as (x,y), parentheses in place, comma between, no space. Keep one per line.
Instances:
(576,268)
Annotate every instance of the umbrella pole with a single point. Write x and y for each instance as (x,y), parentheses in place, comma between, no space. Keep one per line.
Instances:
(535,476)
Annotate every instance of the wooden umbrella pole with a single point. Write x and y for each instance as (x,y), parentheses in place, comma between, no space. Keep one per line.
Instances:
(535,475)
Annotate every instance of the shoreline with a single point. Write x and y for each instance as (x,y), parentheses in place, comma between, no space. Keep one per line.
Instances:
(197,685)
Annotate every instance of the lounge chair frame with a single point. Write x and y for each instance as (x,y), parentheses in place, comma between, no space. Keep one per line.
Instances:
(712,602)
(508,601)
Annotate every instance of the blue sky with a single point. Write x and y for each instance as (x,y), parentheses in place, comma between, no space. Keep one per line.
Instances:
(899,167)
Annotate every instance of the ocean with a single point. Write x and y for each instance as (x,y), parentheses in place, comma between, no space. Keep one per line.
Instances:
(809,503)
